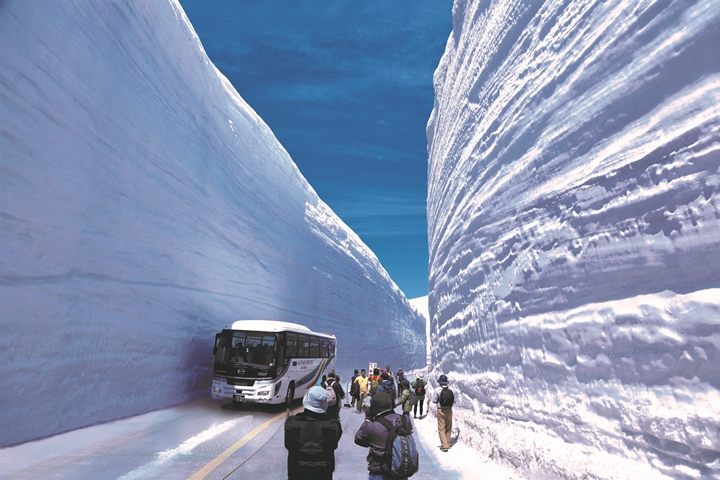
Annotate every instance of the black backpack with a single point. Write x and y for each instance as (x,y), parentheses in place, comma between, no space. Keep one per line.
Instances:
(447,397)
(419,387)
(401,458)
(313,444)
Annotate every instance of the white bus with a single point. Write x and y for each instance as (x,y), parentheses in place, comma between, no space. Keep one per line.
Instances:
(266,361)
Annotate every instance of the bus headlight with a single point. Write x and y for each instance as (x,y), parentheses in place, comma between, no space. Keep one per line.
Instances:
(216,389)
(264,393)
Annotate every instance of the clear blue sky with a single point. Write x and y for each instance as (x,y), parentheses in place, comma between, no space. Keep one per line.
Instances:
(346,86)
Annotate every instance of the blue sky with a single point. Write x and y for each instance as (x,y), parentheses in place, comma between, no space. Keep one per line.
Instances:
(346,86)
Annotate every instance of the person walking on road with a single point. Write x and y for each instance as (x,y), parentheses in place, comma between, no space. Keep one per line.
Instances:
(354,389)
(444,398)
(375,380)
(373,433)
(391,376)
(419,386)
(405,401)
(333,381)
(362,382)
(400,378)
(311,438)
(387,386)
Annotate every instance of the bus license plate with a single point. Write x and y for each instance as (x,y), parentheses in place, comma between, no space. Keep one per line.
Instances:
(239,398)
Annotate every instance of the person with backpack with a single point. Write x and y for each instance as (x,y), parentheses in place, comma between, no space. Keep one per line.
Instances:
(336,394)
(444,398)
(375,380)
(418,386)
(387,386)
(354,389)
(311,438)
(390,376)
(327,385)
(392,450)
(408,399)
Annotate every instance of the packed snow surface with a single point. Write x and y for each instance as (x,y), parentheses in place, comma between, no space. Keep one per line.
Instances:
(143,207)
(573,206)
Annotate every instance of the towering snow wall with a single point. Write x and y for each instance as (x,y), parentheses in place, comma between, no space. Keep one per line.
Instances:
(143,207)
(574,198)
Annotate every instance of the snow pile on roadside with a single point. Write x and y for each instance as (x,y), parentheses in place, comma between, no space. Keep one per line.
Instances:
(461,458)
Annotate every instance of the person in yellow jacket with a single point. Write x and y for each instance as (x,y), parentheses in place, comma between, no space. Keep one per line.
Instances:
(362,380)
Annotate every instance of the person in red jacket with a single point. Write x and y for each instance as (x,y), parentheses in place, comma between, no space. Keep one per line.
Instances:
(374,380)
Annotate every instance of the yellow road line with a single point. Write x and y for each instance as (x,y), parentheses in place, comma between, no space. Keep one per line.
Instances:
(213,464)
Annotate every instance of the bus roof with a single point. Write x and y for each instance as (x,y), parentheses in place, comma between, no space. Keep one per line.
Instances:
(272,326)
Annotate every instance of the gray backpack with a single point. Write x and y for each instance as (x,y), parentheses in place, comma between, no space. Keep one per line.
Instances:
(412,399)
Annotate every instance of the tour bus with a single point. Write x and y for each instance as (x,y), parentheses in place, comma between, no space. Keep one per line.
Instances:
(266,361)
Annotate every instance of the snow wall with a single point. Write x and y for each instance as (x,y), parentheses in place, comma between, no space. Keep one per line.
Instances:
(143,207)
(573,204)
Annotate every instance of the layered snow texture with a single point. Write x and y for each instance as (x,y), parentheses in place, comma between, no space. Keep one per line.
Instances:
(573,206)
(143,207)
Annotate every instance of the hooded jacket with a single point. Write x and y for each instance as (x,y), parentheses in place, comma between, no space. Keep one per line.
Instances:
(404,400)
(373,434)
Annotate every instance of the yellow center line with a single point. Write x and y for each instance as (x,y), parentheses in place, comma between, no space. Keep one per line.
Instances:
(213,464)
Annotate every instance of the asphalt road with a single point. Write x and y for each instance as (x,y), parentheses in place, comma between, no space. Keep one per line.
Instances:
(204,439)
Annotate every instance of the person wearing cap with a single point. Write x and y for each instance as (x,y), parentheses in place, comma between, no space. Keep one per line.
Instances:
(311,438)
(374,434)
(419,393)
(444,412)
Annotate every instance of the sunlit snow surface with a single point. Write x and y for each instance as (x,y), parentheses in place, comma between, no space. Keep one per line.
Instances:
(573,210)
(143,207)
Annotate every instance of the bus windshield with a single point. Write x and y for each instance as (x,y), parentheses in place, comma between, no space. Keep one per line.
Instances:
(256,349)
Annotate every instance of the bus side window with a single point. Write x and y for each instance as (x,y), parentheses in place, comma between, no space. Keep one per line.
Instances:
(324,348)
(303,346)
(314,347)
(332,348)
(292,343)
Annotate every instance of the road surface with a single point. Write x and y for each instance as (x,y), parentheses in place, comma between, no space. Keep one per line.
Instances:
(204,439)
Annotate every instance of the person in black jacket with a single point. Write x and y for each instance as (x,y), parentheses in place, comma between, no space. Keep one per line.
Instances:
(354,389)
(311,438)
